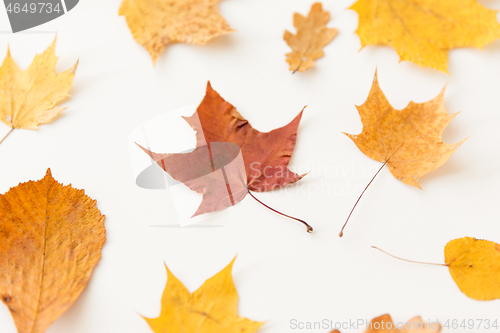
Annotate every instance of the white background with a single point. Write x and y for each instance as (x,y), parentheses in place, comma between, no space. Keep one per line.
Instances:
(281,272)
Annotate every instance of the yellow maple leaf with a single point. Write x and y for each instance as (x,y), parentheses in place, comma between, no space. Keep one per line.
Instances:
(157,23)
(213,308)
(409,140)
(312,35)
(50,240)
(29,98)
(423,31)
(474,265)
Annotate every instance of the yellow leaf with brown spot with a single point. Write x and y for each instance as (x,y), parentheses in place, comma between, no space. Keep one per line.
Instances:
(409,140)
(423,31)
(157,23)
(50,240)
(29,98)
(213,308)
(312,36)
(474,264)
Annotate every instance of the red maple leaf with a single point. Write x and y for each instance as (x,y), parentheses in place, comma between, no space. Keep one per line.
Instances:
(215,168)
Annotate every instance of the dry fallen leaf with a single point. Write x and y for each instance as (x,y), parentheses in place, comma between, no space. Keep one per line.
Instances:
(474,265)
(423,31)
(157,23)
(312,35)
(408,141)
(213,308)
(264,164)
(384,324)
(50,240)
(214,170)
(29,98)
(266,155)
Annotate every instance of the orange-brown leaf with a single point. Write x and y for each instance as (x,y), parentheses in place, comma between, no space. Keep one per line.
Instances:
(384,324)
(50,240)
(157,23)
(408,140)
(312,36)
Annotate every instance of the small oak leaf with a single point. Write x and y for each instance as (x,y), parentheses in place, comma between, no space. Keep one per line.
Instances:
(312,36)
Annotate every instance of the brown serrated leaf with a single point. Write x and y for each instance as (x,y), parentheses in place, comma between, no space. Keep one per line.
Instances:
(50,240)
(312,35)
(157,23)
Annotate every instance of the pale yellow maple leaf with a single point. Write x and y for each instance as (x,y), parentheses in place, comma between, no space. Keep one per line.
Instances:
(29,98)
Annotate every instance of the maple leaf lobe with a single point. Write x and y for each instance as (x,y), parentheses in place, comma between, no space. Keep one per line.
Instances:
(216,171)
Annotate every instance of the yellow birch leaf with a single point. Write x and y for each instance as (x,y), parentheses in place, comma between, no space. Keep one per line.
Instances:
(157,23)
(29,98)
(312,35)
(423,31)
(50,240)
(409,140)
(213,308)
(474,264)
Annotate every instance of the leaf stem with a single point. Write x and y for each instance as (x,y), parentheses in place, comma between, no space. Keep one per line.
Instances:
(309,228)
(6,135)
(383,165)
(412,261)
(352,210)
